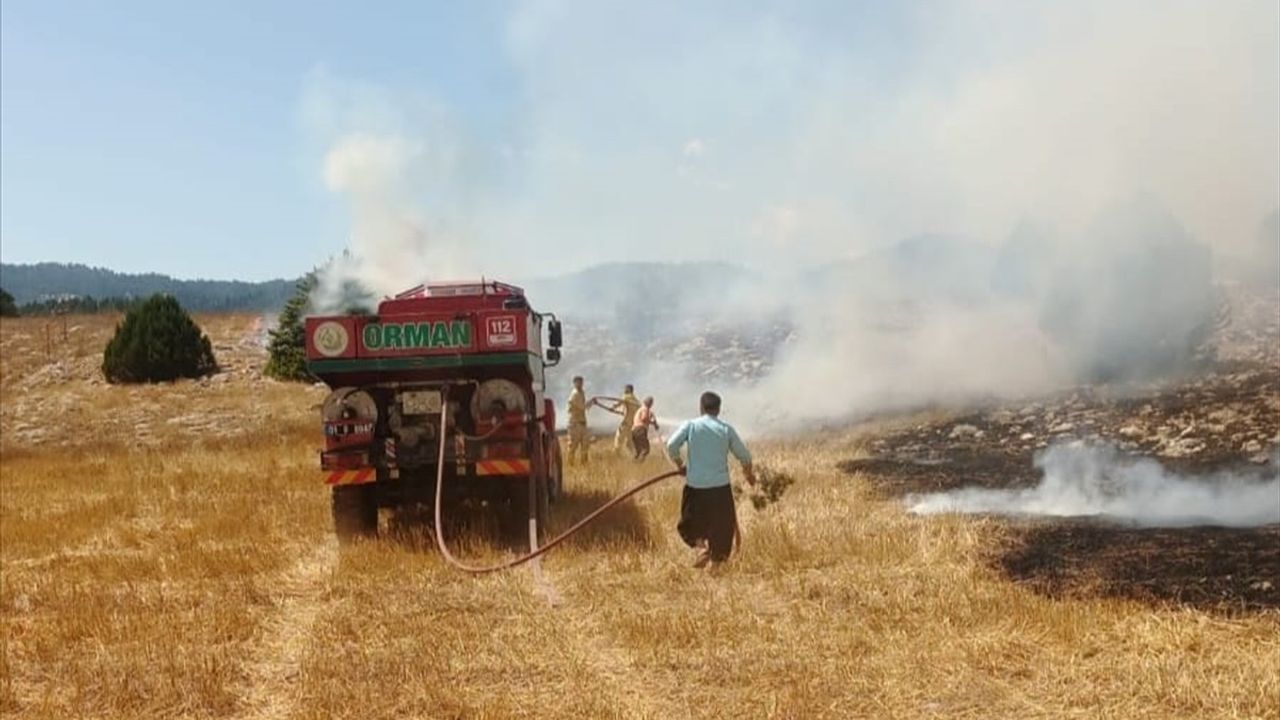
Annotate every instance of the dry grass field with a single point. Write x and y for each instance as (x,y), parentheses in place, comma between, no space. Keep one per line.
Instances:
(167,552)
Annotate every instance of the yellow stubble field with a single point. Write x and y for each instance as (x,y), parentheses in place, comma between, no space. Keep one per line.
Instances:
(166,551)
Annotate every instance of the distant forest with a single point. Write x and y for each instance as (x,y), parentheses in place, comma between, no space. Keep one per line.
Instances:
(43,287)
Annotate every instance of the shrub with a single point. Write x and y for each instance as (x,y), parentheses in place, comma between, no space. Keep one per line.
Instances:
(769,487)
(287,349)
(157,341)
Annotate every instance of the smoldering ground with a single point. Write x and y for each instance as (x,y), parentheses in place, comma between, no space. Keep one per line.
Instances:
(1083,480)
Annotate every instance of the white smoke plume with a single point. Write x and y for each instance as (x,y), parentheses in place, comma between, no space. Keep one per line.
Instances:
(1065,172)
(1097,480)
(397,165)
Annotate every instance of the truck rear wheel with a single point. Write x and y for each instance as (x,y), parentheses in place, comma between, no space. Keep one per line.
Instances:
(355,512)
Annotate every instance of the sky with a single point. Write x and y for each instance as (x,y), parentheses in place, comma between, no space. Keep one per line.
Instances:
(170,137)
(255,140)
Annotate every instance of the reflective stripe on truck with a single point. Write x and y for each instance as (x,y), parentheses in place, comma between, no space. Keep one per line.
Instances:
(506,466)
(351,477)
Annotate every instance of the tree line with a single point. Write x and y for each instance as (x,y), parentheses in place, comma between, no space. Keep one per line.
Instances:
(58,306)
(48,284)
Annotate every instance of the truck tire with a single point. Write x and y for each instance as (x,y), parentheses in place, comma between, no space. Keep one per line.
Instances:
(355,512)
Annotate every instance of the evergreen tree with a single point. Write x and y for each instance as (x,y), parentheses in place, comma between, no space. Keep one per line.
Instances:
(7,306)
(288,347)
(157,341)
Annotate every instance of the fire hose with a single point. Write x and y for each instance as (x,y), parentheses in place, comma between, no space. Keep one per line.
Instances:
(534,552)
(596,400)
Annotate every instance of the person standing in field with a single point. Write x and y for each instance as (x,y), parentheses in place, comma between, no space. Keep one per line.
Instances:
(707,521)
(626,406)
(578,422)
(640,429)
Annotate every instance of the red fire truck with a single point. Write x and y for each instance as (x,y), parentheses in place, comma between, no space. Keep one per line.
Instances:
(446,380)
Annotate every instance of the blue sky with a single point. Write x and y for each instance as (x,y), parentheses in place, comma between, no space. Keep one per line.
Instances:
(253,140)
(167,136)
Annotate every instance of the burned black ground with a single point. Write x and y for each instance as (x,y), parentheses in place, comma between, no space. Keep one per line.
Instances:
(1221,569)
(1228,418)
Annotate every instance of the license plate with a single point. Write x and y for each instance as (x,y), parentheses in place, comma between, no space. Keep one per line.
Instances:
(420,402)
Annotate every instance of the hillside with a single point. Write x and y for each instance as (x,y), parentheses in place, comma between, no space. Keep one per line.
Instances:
(42,281)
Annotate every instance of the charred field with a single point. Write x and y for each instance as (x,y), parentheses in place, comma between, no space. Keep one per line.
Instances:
(167,551)
(1227,419)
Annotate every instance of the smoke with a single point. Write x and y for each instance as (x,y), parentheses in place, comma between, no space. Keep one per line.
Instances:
(946,201)
(1097,480)
(399,167)
(387,235)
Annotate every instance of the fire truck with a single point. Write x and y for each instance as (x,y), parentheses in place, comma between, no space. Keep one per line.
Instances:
(446,383)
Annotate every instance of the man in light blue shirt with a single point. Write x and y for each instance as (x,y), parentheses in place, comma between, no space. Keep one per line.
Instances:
(707,520)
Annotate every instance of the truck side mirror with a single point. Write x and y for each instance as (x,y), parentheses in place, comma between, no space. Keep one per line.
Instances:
(555,337)
(553,356)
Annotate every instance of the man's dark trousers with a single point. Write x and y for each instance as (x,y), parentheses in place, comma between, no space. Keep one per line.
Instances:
(707,514)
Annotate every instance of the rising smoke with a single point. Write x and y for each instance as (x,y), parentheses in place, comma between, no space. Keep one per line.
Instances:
(1097,480)
(1062,174)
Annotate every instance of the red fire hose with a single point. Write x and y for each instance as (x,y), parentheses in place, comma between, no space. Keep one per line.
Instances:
(439,525)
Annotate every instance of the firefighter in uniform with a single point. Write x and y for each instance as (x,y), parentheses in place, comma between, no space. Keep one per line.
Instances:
(578,422)
(626,406)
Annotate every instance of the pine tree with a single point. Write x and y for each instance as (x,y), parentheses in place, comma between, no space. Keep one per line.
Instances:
(157,341)
(7,306)
(288,349)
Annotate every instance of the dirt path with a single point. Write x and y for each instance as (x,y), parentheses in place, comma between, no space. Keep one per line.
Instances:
(635,694)
(275,664)
(255,336)
(634,691)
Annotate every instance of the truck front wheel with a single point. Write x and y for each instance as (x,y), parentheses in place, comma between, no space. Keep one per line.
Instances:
(355,512)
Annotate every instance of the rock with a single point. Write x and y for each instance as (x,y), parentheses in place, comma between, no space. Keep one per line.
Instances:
(1223,415)
(1252,447)
(1065,427)
(964,430)
(1182,447)
(1130,431)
